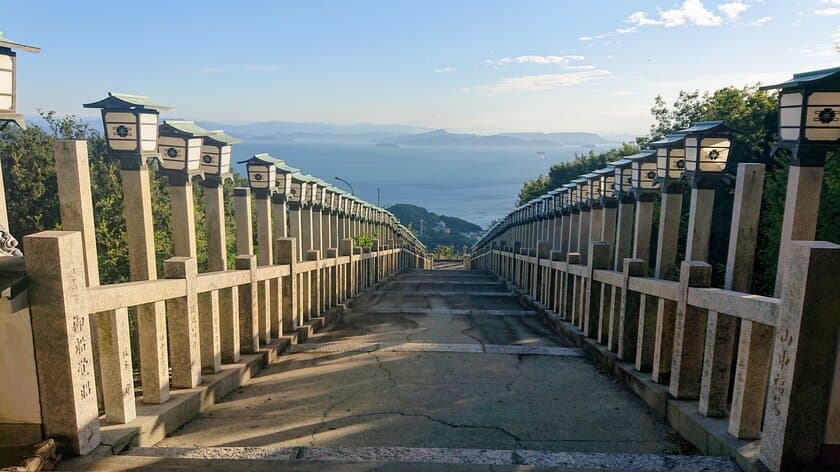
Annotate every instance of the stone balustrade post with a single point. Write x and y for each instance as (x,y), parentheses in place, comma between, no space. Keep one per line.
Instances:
(800,397)
(265,257)
(599,259)
(182,322)
(666,259)
(214,306)
(249,324)
(285,253)
(628,336)
(755,340)
(345,249)
(315,282)
(62,339)
(623,241)
(689,333)
(151,318)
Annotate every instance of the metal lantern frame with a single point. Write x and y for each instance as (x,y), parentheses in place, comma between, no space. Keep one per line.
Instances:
(670,162)
(623,179)
(582,192)
(809,116)
(643,171)
(179,149)
(262,174)
(573,202)
(708,147)
(8,81)
(606,178)
(216,154)
(131,126)
(593,186)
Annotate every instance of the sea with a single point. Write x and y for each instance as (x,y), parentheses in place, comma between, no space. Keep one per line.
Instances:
(476,183)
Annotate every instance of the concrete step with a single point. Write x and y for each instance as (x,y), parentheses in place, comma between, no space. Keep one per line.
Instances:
(257,459)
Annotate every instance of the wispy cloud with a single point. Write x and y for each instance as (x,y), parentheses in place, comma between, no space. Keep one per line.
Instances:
(261,68)
(253,68)
(827,11)
(760,21)
(690,12)
(542,82)
(534,59)
(444,70)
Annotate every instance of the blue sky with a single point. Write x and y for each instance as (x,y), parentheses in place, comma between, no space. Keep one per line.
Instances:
(478,66)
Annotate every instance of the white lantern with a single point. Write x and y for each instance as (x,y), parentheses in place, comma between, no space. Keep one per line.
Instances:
(130,123)
(643,172)
(809,114)
(707,146)
(179,146)
(670,161)
(216,150)
(8,81)
(606,179)
(262,173)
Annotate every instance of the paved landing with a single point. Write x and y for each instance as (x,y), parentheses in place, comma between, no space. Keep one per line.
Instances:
(409,381)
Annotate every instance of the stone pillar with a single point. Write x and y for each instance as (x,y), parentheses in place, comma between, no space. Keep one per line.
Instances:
(599,259)
(62,339)
(286,254)
(265,257)
(666,258)
(699,224)
(745,419)
(583,234)
(183,218)
(623,241)
(214,214)
(628,336)
(244,225)
(182,322)
(689,333)
(345,249)
(797,414)
(802,206)
(151,318)
(249,340)
(574,229)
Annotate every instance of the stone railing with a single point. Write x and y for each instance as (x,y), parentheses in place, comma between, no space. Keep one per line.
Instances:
(758,372)
(188,324)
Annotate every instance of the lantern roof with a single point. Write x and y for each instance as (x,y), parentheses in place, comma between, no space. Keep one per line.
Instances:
(124,100)
(8,43)
(554,192)
(621,163)
(645,155)
(803,79)
(670,140)
(590,176)
(605,170)
(570,186)
(186,127)
(579,181)
(703,127)
(222,137)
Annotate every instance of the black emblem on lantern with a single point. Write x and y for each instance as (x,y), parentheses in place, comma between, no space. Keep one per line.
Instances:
(680,164)
(207,158)
(651,174)
(714,154)
(122,131)
(257,176)
(172,153)
(826,116)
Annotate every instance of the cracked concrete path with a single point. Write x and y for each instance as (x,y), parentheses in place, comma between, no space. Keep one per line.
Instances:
(432,399)
(413,382)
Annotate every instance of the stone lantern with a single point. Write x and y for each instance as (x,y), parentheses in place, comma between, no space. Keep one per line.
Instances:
(707,150)
(297,193)
(179,148)
(606,177)
(130,123)
(623,178)
(283,180)
(643,174)
(809,115)
(216,150)
(573,196)
(262,174)
(582,192)
(670,162)
(593,184)
(8,81)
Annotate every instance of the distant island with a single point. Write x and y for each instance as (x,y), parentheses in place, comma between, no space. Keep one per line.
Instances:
(441,137)
(435,230)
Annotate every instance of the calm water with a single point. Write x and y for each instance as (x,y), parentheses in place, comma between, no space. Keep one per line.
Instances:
(474,183)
